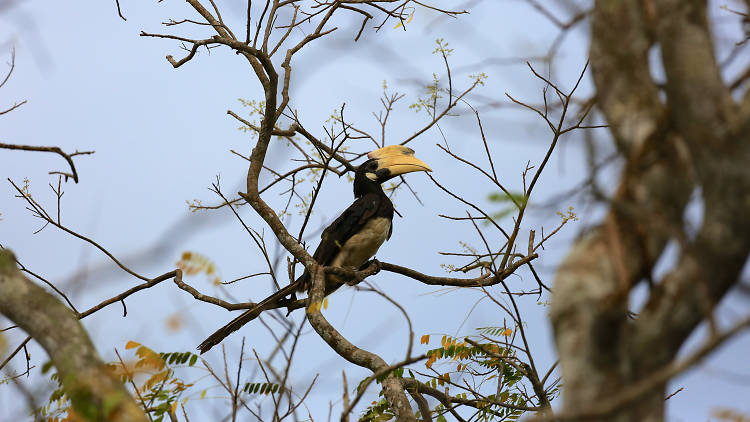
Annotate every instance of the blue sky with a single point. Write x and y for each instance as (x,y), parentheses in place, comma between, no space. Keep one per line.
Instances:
(162,135)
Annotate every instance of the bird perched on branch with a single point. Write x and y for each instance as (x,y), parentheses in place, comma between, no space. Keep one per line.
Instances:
(352,239)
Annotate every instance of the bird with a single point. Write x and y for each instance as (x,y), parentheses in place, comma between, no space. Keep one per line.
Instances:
(351,240)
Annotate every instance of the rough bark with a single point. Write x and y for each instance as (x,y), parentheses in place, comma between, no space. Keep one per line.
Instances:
(95,393)
(392,386)
(699,139)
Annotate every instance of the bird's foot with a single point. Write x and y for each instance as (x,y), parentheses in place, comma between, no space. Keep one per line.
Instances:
(355,279)
(376,263)
(372,267)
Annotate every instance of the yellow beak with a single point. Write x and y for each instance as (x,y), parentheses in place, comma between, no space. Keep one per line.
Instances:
(398,159)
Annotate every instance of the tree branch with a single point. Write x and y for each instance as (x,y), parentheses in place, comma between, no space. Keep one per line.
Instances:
(93,390)
(392,386)
(68,157)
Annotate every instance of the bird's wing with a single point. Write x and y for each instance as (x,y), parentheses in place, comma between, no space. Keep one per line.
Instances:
(333,237)
(337,233)
(349,223)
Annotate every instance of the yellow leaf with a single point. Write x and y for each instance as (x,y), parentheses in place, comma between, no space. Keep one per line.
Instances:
(174,406)
(430,361)
(401,22)
(175,322)
(192,263)
(425,339)
(149,359)
(203,394)
(325,303)
(155,379)
(314,307)
(131,344)
(507,332)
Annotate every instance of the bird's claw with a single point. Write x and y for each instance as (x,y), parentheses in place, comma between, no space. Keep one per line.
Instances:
(359,278)
(375,262)
(356,279)
(378,265)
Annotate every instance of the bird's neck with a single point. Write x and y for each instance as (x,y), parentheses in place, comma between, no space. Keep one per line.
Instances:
(363,186)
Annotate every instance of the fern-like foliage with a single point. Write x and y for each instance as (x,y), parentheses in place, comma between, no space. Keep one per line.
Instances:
(262,388)
(153,379)
(489,364)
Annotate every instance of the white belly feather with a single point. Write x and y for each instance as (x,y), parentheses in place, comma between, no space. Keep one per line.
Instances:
(363,245)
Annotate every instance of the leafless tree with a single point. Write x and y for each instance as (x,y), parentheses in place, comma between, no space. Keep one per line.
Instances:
(681,138)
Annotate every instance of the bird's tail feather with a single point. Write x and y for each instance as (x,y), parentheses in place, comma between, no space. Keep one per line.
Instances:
(271,302)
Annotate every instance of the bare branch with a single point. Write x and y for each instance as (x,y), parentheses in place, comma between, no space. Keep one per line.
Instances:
(392,386)
(68,157)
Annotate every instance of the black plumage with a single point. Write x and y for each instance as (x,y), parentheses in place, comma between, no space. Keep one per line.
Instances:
(351,240)
(371,205)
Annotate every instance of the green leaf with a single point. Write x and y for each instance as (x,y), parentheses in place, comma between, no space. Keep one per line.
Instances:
(518,198)
(47,366)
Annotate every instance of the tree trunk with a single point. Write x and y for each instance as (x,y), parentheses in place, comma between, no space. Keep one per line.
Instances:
(696,141)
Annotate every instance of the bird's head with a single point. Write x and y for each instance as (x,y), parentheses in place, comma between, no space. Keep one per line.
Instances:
(384,164)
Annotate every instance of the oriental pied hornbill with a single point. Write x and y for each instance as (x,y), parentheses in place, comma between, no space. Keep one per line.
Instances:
(352,239)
